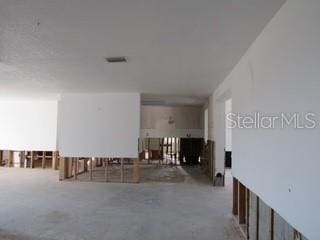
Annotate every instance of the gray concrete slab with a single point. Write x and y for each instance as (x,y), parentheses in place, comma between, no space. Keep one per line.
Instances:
(35,205)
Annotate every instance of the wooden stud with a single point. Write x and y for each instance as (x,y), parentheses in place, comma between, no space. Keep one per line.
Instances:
(1,156)
(136,171)
(242,204)
(176,156)
(91,167)
(122,170)
(149,151)
(106,161)
(257,218)
(54,160)
(272,225)
(235,197)
(85,165)
(22,159)
(248,213)
(43,164)
(63,168)
(170,147)
(160,148)
(76,161)
(70,167)
(167,146)
(10,159)
(31,159)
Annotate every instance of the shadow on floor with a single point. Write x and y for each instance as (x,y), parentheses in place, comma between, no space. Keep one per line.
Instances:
(173,174)
(10,236)
(197,174)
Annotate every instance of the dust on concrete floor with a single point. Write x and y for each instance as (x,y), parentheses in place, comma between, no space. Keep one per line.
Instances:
(148,173)
(34,205)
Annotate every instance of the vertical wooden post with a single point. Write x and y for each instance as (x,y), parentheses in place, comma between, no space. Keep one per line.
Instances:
(159,150)
(248,213)
(242,203)
(162,149)
(22,158)
(149,151)
(169,147)
(85,165)
(136,170)
(106,162)
(272,225)
(177,150)
(31,159)
(76,161)
(235,197)
(55,160)
(10,159)
(63,168)
(1,156)
(91,166)
(43,164)
(122,170)
(258,218)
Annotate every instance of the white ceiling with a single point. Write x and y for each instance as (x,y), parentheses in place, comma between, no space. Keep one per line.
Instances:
(183,47)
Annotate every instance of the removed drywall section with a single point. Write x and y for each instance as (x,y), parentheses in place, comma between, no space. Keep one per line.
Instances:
(172,121)
(29,125)
(99,125)
(280,74)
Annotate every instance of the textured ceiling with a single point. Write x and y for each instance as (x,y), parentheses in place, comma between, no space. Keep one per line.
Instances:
(183,47)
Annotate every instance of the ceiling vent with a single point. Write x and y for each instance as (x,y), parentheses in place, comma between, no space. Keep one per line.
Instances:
(116,59)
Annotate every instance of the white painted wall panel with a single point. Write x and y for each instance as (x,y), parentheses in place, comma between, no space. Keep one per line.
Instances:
(28,125)
(228,137)
(280,73)
(99,125)
(187,121)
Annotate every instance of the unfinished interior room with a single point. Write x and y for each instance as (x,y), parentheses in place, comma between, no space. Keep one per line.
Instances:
(162,119)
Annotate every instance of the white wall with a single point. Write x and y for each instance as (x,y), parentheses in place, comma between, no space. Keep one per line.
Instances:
(210,118)
(206,124)
(99,125)
(228,129)
(280,73)
(187,121)
(28,125)
(219,136)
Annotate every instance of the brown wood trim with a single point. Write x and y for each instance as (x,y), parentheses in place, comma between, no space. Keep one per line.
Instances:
(258,220)
(242,203)
(272,225)
(248,213)
(235,197)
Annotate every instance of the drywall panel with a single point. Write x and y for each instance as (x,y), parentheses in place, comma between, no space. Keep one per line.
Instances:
(99,125)
(28,125)
(228,129)
(170,121)
(211,114)
(280,74)
(219,137)
(206,124)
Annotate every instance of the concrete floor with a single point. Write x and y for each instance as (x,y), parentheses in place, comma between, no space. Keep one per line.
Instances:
(34,205)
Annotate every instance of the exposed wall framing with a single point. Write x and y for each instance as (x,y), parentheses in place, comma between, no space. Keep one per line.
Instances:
(208,160)
(257,219)
(29,159)
(123,170)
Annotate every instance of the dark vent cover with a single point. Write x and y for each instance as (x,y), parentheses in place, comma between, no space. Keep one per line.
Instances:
(116,59)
